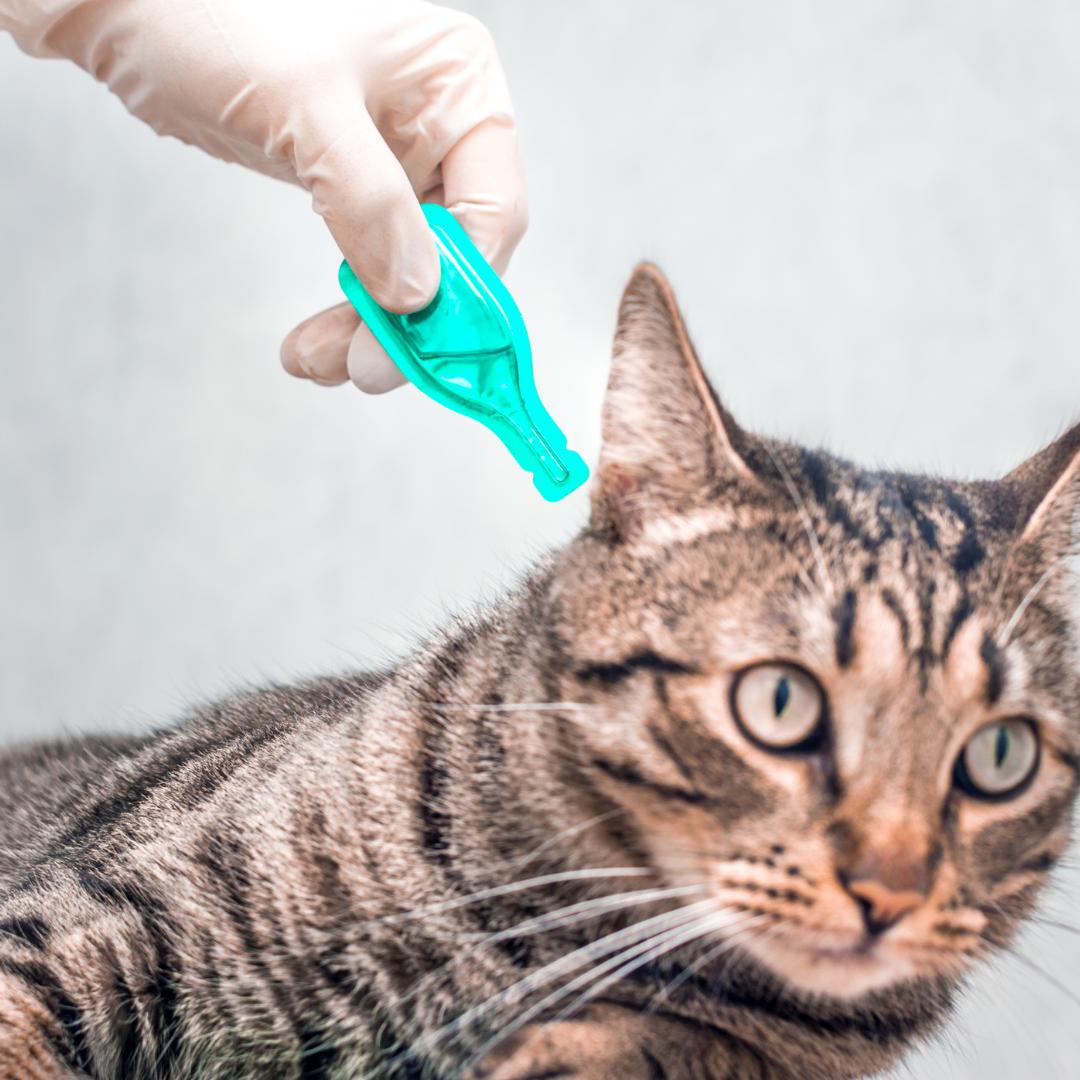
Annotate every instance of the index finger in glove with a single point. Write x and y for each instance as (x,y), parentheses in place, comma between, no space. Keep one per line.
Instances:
(367,202)
(484,188)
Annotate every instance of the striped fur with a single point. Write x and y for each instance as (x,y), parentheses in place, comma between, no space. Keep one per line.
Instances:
(543,846)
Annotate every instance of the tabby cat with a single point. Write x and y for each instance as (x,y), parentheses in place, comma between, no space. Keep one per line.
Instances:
(742,782)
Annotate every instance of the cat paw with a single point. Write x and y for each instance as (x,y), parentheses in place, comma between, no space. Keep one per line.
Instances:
(593,1045)
(609,1043)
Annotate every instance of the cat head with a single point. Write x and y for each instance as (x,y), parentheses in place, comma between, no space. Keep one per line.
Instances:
(842,703)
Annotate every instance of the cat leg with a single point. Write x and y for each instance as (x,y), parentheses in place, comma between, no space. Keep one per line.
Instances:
(29,1034)
(609,1042)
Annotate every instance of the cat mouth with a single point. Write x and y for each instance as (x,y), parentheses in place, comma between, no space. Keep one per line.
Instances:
(860,949)
(839,966)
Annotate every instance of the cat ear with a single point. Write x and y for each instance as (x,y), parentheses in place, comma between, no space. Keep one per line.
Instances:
(668,443)
(1046,494)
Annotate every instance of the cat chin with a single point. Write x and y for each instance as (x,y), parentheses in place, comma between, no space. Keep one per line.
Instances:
(835,972)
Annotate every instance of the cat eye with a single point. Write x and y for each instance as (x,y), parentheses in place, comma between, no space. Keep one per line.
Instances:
(779,706)
(999,759)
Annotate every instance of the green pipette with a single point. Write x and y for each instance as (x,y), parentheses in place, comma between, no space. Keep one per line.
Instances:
(469,350)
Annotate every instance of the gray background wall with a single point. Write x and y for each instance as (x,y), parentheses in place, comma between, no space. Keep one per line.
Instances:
(871,212)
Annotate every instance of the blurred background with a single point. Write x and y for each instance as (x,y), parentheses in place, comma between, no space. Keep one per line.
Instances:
(870,212)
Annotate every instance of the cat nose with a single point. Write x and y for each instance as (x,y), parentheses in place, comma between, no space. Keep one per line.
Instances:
(880,906)
(889,876)
(887,881)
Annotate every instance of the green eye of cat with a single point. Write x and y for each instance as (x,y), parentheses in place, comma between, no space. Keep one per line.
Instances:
(999,759)
(779,706)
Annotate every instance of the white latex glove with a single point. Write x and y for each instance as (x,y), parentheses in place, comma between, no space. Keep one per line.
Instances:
(371,105)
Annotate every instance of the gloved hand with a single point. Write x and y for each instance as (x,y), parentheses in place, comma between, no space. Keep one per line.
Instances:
(371,105)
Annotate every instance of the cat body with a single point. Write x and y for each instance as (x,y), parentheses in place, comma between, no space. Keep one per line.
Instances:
(740,783)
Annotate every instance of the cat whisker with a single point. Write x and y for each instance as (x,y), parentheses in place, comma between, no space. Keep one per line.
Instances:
(543,976)
(807,521)
(748,929)
(512,887)
(624,963)
(583,911)
(672,939)
(611,943)
(570,915)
